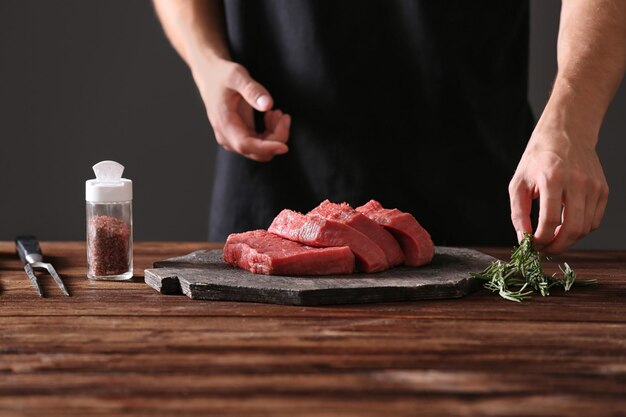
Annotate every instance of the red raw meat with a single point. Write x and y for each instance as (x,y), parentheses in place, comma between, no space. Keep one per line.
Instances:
(315,230)
(261,252)
(413,238)
(345,214)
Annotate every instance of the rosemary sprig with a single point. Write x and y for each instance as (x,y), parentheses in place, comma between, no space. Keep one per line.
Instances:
(523,275)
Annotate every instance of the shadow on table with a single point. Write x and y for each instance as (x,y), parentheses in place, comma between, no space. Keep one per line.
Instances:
(61,261)
(9,261)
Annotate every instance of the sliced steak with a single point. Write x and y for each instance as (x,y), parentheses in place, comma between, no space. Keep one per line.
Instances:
(315,230)
(345,214)
(261,252)
(415,241)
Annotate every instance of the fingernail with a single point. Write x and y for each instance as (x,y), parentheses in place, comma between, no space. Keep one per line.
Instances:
(287,122)
(520,236)
(263,101)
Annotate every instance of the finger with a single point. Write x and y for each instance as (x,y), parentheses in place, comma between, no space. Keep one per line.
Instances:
(221,140)
(281,132)
(243,141)
(520,197)
(267,119)
(271,117)
(276,115)
(572,227)
(258,158)
(550,207)
(247,115)
(275,119)
(600,208)
(254,93)
(591,203)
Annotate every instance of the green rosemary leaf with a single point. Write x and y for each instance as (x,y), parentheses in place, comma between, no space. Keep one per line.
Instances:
(523,275)
(569,276)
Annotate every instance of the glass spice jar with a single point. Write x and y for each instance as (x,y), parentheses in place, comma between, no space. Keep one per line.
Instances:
(109,223)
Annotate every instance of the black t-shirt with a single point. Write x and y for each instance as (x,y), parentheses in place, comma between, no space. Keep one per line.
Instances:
(421,105)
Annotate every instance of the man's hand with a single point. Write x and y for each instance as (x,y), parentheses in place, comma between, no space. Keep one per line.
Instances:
(230,95)
(197,30)
(560,165)
(564,172)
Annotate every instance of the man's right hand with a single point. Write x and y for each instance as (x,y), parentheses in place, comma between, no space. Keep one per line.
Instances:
(230,94)
(197,30)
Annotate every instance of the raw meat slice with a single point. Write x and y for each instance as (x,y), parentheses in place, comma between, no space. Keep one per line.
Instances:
(413,238)
(315,230)
(345,214)
(261,252)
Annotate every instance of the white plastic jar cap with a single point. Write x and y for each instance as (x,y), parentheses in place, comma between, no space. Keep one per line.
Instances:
(109,186)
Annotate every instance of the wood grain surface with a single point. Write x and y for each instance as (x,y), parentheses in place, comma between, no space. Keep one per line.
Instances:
(121,348)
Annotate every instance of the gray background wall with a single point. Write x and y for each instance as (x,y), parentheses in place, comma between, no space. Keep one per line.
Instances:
(82,81)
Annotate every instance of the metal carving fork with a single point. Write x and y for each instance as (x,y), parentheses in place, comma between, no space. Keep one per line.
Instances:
(30,254)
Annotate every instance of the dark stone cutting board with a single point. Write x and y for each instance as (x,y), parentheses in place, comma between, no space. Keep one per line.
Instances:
(204,275)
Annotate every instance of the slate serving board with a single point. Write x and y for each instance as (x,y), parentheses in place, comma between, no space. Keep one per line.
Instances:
(203,275)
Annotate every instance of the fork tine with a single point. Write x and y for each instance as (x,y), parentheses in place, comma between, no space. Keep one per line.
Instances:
(33,278)
(56,278)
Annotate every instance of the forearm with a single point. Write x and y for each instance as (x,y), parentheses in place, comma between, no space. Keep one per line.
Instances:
(195,27)
(591,63)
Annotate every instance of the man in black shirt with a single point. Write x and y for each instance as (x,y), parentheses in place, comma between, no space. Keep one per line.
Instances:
(421,105)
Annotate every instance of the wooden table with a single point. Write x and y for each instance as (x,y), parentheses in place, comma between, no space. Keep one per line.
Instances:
(120,348)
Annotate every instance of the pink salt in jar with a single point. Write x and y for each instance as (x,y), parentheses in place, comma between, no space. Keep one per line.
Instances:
(109,200)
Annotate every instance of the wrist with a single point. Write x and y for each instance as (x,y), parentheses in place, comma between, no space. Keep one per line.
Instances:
(573,113)
(202,55)
(203,62)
